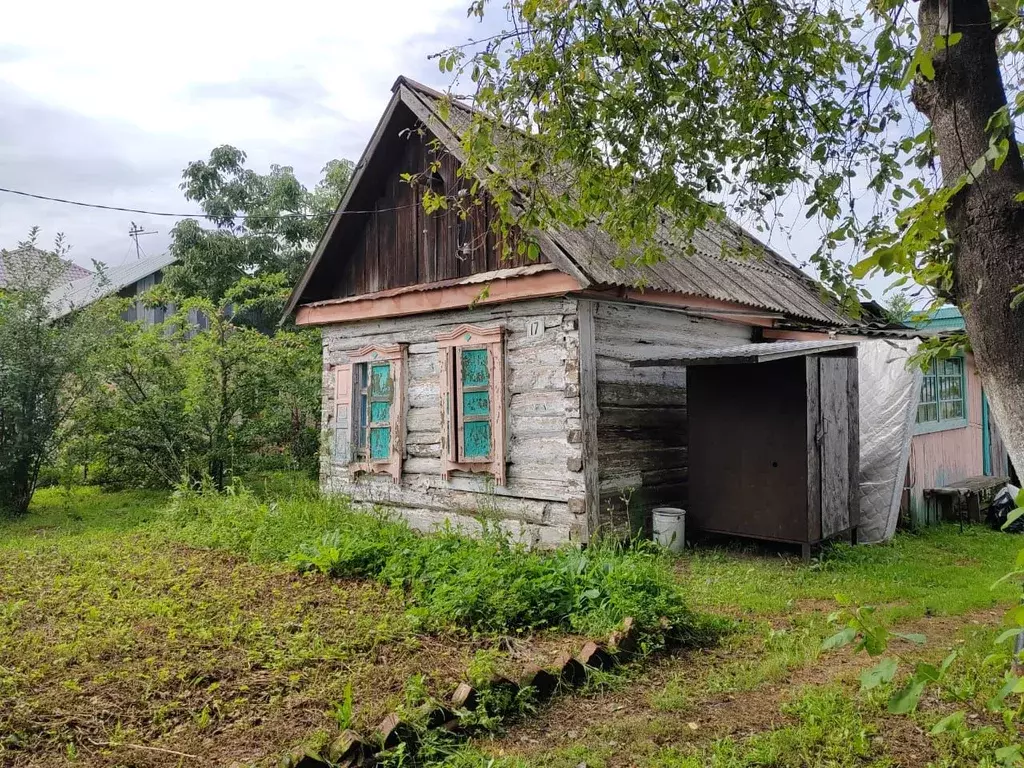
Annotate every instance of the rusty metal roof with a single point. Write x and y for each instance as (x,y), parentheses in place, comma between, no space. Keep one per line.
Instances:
(724,261)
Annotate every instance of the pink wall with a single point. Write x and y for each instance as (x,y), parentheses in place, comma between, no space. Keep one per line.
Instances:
(938,458)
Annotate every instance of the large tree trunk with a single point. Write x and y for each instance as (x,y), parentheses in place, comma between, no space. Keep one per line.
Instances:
(985,221)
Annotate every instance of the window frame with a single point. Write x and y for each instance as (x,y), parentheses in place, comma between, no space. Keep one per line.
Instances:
(347,407)
(450,347)
(942,424)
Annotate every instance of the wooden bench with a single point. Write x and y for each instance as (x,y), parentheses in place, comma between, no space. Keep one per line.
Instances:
(966,500)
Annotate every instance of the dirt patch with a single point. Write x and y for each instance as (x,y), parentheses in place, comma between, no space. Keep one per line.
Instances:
(634,717)
(133,641)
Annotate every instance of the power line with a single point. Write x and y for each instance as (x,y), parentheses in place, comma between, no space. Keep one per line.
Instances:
(80,204)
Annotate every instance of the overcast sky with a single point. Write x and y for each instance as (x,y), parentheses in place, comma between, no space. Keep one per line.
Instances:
(106,102)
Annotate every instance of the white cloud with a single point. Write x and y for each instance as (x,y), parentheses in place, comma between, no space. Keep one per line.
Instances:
(108,101)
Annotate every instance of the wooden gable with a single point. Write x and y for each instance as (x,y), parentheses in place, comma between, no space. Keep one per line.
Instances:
(386,240)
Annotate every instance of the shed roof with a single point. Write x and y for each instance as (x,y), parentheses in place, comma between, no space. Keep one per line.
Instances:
(76,295)
(727,263)
(762,352)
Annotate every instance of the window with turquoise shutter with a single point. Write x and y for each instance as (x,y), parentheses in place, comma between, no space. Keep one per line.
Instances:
(375,394)
(474,370)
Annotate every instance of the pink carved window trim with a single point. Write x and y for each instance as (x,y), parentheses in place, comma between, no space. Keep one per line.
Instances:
(448,346)
(345,386)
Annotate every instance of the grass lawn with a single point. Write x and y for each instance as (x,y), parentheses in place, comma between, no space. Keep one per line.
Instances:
(122,645)
(768,696)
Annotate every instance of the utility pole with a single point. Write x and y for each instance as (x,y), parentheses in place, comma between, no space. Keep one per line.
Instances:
(134,233)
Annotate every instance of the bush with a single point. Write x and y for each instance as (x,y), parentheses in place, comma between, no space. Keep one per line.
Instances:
(485,584)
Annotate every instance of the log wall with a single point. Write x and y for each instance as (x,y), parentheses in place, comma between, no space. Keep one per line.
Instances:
(641,430)
(543,500)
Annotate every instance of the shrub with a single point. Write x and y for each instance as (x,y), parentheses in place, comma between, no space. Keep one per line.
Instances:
(486,584)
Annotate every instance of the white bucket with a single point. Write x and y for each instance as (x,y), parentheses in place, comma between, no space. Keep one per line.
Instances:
(670,527)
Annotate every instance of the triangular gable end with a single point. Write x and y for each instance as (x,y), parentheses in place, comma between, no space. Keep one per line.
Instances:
(381,239)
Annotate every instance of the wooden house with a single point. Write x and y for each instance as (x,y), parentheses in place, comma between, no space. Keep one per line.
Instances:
(462,382)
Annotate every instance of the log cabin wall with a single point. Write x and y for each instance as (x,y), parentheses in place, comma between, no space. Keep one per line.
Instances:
(400,244)
(542,501)
(642,419)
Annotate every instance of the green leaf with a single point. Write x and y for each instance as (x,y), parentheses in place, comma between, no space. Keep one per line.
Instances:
(996,701)
(1006,635)
(978,167)
(1010,755)
(905,700)
(944,724)
(884,672)
(926,673)
(533,251)
(1020,498)
(912,637)
(1012,517)
(947,663)
(862,267)
(839,639)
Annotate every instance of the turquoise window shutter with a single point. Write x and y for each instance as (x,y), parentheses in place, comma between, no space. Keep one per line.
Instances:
(475,371)
(381,394)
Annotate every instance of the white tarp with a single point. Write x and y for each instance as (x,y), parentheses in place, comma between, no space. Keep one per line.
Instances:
(889,392)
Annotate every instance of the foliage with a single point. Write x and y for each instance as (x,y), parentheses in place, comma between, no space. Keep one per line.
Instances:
(216,400)
(868,633)
(266,224)
(651,124)
(486,584)
(44,371)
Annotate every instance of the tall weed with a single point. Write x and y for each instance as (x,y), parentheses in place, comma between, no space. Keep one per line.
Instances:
(490,583)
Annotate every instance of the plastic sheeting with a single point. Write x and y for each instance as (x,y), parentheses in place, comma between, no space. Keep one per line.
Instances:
(889,392)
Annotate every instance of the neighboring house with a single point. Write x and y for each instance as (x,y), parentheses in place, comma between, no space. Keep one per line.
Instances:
(22,265)
(955,436)
(128,280)
(461,380)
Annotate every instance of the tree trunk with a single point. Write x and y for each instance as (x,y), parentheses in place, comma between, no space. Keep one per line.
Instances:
(984,220)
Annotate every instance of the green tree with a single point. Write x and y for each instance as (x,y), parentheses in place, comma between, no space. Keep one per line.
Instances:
(265,223)
(638,114)
(185,403)
(45,368)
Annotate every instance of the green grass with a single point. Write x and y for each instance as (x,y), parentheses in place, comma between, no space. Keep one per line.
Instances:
(939,571)
(123,623)
(115,636)
(489,584)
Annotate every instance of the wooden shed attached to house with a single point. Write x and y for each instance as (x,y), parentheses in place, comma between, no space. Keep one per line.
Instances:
(464,381)
(774,440)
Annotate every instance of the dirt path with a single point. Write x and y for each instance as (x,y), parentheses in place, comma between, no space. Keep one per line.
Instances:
(615,718)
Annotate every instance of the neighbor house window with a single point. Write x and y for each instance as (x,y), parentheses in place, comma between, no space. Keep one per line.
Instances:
(943,403)
(473,401)
(369,429)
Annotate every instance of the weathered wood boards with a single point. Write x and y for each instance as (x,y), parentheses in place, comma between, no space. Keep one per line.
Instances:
(642,428)
(542,499)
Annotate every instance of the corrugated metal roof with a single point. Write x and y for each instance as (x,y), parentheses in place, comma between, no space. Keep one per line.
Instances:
(749,353)
(81,293)
(948,318)
(726,262)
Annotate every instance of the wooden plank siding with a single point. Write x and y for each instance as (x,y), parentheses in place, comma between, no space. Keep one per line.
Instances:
(642,419)
(399,244)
